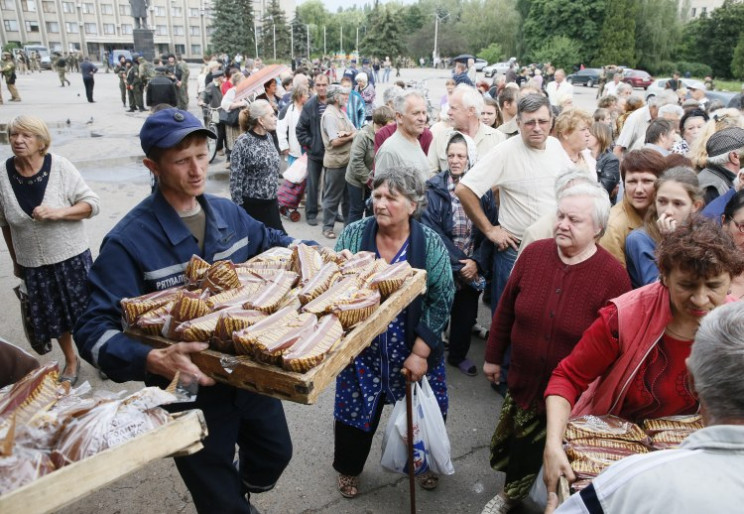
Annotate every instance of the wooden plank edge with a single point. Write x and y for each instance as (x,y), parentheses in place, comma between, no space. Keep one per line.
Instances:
(70,483)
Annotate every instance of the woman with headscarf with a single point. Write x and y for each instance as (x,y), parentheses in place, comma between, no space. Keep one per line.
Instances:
(367,91)
(445,215)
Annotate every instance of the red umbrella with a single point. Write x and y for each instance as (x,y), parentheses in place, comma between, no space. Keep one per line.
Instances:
(254,84)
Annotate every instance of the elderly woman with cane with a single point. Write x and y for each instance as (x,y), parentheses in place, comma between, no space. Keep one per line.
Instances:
(412,341)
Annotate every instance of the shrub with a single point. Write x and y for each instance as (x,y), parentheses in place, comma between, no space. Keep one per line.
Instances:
(561,52)
(696,69)
(492,53)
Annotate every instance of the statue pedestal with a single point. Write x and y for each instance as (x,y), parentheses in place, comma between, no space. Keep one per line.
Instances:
(144,43)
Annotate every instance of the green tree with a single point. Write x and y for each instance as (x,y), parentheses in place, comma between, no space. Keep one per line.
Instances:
(579,21)
(384,37)
(560,51)
(658,32)
(492,53)
(725,28)
(488,21)
(299,37)
(275,23)
(737,63)
(617,39)
(233,27)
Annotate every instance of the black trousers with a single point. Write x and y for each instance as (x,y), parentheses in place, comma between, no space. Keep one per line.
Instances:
(258,426)
(312,190)
(265,211)
(89,88)
(352,446)
(462,318)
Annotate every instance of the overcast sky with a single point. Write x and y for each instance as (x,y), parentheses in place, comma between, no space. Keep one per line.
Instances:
(333,5)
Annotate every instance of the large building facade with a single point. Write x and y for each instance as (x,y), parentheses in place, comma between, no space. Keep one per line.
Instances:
(94,26)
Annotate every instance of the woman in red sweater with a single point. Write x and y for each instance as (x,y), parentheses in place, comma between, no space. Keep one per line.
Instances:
(553,294)
(631,361)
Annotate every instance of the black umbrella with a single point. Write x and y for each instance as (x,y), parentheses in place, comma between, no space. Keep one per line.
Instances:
(463,58)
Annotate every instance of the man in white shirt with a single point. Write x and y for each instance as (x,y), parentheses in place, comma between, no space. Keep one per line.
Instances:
(611,87)
(633,134)
(524,170)
(403,147)
(465,107)
(559,88)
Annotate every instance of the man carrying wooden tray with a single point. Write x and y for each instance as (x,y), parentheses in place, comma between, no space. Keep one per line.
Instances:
(147,251)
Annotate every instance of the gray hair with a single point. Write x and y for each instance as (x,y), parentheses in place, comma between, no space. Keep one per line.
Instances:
(334,93)
(665,97)
(622,87)
(716,361)
(405,180)
(723,159)
(471,98)
(400,101)
(391,94)
(571,177)
(671,109)
(362,77)
(533,103)
(300,79)
(601,200)
(258,109)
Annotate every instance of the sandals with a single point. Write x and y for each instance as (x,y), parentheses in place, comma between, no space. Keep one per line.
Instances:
(72,379)
(348,486)
(330,234)
(465,366)
(428,480)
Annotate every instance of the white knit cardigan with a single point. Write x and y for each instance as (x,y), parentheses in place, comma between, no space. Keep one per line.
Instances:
(40,243)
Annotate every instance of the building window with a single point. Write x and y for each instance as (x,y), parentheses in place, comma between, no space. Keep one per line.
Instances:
(109,28)
(178,30)
(180,49)
(52,27)
(193,12)
(176,11)
(126,28)
(88,9)
(161,30)
(703,11)
(11,25)
(196,50)
(68,7)
(107,9)
(125,10)
(210,31)
(28,5)
(694,11)
(48,7)
(194,30)
(7,5)
(72,27)
(91,28)
(32,26)
(159,10)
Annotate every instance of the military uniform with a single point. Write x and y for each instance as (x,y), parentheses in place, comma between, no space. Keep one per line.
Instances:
(9,74)
(146,71)
(183,91)
(121,72)
(134,85)
(60,65)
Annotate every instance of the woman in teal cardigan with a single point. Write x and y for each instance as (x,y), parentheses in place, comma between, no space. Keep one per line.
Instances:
(413,340)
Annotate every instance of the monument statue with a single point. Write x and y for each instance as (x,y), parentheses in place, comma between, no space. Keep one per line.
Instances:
(139,13)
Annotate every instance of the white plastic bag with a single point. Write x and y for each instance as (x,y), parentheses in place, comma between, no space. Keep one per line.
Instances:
(431,446)
(297,172)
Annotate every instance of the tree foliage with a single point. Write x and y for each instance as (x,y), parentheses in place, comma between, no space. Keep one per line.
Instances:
(275,23)
(492,53)
(385,36)
(232,21)
(617,38)
(580,21)
(561,51)
(712,39)
(489,21)
(658,32)
(737,63)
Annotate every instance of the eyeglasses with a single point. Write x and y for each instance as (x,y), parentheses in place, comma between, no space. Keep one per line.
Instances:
(739,226)
(533,123)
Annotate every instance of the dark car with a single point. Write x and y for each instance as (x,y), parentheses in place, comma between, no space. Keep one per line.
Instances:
(637,78)
(587,77)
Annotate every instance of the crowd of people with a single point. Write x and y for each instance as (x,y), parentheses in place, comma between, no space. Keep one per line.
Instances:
(601,240)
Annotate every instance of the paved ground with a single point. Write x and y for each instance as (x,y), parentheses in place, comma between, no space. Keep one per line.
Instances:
(102,140)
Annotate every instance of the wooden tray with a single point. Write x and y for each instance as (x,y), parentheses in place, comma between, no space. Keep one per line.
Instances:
(269,380)
(182,436)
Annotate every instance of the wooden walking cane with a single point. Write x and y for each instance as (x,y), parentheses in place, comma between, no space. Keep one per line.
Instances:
(409,441)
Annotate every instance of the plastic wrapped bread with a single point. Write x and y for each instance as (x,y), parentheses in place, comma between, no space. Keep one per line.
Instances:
(306,262)
(270,328)
(274,258)
(229,322)
(195,270)
(133,308)
(221,276)
(312,349)
(359,261)
(391,278)
(271,295)
(357,307)
(270,347)
(320,283)
(606,427)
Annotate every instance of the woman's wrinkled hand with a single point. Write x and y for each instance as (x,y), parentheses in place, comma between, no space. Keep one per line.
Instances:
(469,270)
(46,213)
(416,367)
(492,372)
(555,465)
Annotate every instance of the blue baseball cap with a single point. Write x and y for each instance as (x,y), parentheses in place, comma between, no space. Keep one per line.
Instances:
(167,128)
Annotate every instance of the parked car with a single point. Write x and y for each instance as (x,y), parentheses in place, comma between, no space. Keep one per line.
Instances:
(45,59)
(499,68)
(587,77)
(637,78)
(480,64)
(659,85)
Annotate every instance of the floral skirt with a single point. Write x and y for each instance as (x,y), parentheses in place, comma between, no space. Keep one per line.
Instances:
(57,294)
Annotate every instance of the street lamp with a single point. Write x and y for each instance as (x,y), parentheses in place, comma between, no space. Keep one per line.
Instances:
(273,32)
(255,34)
(324,41)
(308,41)
(435,53)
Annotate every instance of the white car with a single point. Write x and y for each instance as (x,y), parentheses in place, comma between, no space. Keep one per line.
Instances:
(499,68)
(480,64)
